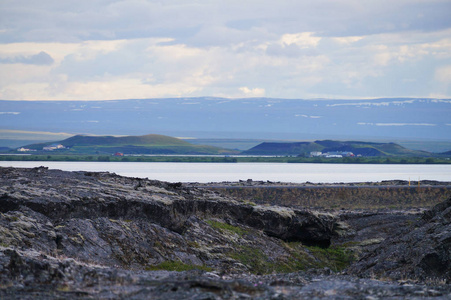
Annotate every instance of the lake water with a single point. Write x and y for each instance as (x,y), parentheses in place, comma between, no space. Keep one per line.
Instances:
(284,172)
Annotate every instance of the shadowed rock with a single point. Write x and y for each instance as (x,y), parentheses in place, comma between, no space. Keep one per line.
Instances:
(421,251)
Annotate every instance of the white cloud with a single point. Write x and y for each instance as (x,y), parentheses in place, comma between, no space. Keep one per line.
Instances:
(117,88)
(290,49)
(347,40)
(255,92)
(383,57)
(82,51)
(302,40)
(443,74)
(40,58)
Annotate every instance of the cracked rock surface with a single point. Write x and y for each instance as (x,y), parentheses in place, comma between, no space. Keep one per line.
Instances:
(100,235)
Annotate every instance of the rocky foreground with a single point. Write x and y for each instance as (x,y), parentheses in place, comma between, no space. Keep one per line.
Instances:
(100,235)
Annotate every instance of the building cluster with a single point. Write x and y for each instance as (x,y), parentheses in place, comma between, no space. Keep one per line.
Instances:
(332,154)
(53,147)
(22,149)
(46,148)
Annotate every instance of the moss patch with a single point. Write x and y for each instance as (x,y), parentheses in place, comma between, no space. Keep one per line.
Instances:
(226,227)
(253,258)
(177,266)
(299,258)
(335,258)
(259,263)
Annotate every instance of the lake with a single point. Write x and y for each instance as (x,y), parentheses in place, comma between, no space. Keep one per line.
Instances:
(284,172)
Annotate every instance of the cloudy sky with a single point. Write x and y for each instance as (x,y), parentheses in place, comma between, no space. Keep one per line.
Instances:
(111,49)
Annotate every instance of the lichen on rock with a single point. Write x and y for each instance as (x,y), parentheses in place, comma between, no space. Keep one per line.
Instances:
(100,235)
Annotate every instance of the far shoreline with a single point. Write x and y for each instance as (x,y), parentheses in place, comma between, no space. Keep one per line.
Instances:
(225,159)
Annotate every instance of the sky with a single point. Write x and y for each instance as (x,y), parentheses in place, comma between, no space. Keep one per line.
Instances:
(134,49)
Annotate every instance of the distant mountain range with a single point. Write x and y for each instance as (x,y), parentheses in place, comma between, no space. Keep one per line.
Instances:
(388,119)
(160,144)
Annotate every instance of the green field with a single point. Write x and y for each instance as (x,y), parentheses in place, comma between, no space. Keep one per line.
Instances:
(161,148)
(228,159)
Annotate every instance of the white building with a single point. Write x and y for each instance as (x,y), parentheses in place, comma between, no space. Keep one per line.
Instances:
(53,147)
(315,153)
(334,155)
(22,149)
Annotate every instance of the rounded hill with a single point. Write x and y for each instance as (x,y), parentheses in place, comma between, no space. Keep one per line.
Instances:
(149,139)
(144,144)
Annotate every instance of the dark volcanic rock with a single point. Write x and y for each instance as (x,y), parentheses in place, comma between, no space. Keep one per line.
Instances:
(421,251)
(32,275)
(62,195)
(370,228)
(140,224)
(103,236)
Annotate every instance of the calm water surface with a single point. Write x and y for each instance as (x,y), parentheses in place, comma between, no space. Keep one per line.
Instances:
(216,172)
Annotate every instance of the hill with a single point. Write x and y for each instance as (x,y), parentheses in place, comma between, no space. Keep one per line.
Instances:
(275,148)
(145,144)
(330,146)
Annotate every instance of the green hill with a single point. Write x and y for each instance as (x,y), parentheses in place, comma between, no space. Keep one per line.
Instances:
(145,144)
(330,146)
(144,140)
(276,148)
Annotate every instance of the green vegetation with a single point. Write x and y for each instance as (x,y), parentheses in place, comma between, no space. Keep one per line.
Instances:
(139,148)
(224,226)
(177,266)
(146,144)
(335,258)
(254,259)
(226,159)
(365,149)
(301,258)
